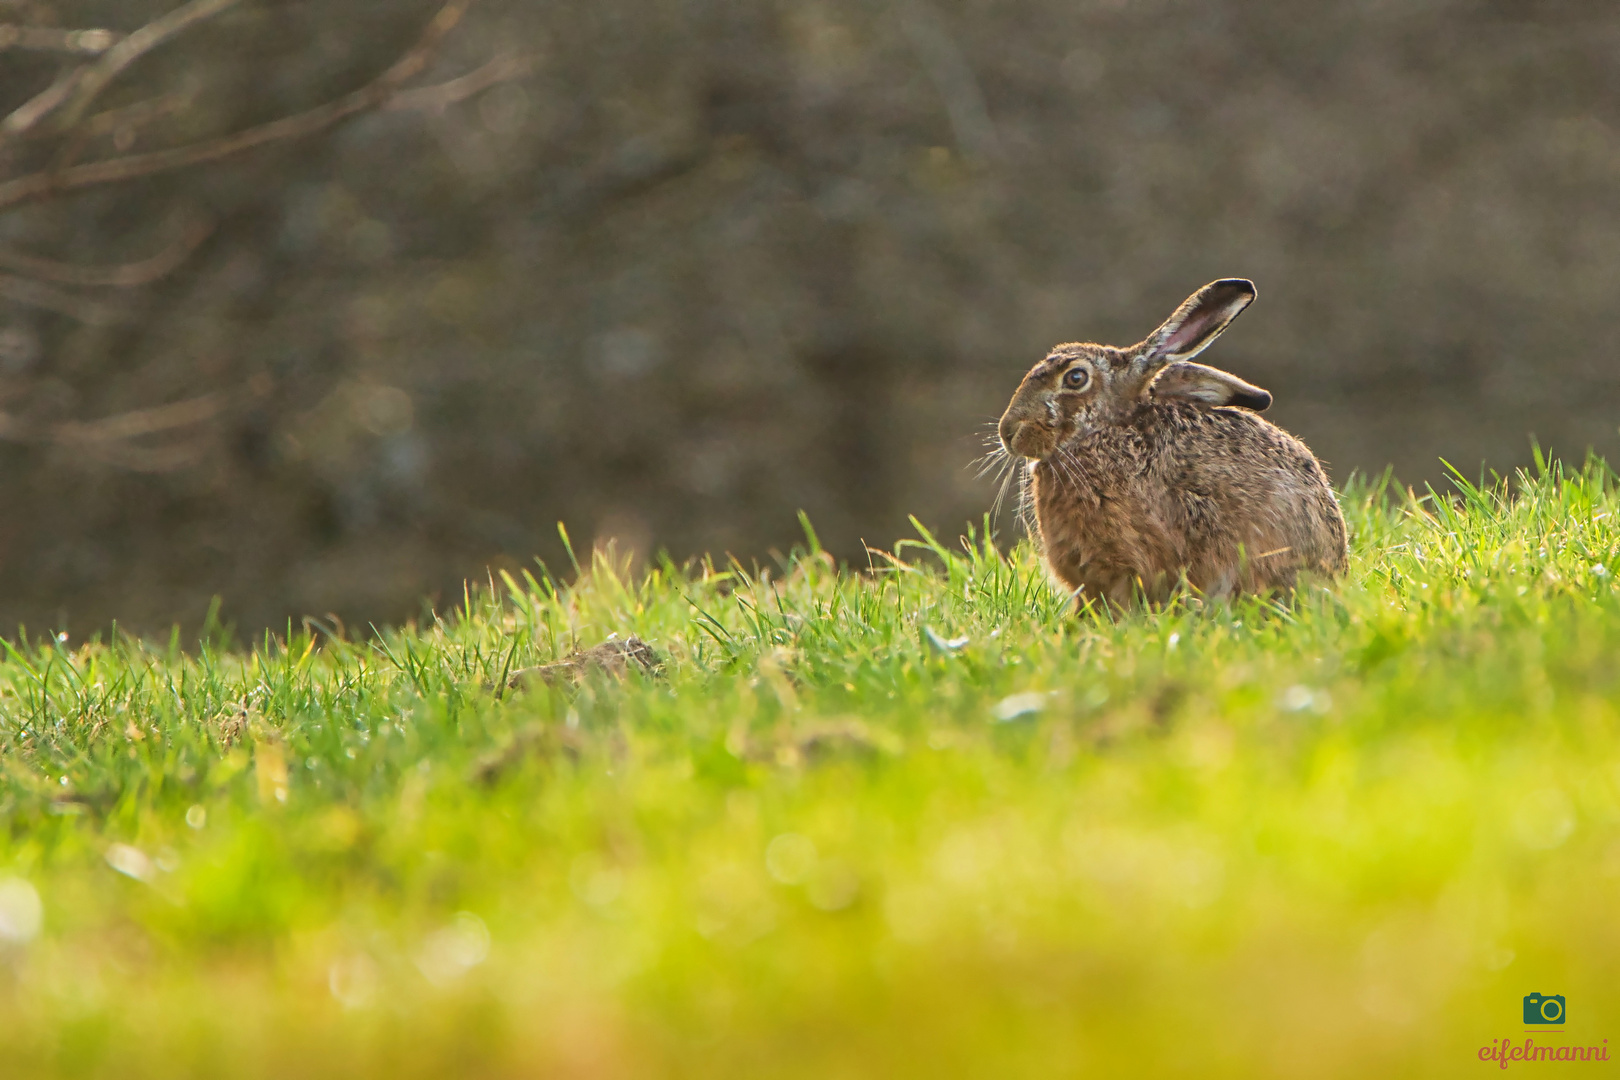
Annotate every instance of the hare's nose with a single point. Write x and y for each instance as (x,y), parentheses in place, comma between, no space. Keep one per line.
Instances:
(1009,431)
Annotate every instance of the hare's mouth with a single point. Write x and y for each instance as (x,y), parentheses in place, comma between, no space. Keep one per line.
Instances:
(1029,439)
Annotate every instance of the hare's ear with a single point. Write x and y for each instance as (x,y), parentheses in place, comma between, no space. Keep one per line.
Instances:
(1186,381)
(1196,323)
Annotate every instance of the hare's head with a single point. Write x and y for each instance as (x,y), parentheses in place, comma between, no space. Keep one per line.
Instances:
(1080,388)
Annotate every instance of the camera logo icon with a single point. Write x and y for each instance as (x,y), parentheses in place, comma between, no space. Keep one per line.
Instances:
(1544,1008)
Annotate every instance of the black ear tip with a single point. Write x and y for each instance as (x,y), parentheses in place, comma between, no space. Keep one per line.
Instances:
(1259,400)
(1241,286)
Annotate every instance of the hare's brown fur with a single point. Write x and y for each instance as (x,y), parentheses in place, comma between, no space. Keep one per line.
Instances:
(1139,472)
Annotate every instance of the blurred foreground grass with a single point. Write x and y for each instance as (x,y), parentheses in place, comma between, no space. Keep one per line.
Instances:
(914,821)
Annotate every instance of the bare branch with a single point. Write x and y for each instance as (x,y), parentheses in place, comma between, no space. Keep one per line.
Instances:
(135,115)
(952,76)
(108,440)
(132,48)
(49,298)
(36,108)
(176,435)
(53,39)
(503,68)
(139,422)
(125,276)
(37,12)
(122,122)
(145,459)
(370,96)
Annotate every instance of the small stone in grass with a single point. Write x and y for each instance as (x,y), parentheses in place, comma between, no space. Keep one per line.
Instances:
(1019,706)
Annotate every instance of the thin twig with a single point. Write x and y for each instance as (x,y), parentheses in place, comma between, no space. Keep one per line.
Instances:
(139,422)
(125,276)
(128,118)
(147,459)
(108,440)
(34,12)
(54,39)
(370,96)
(37,294)
(132,48)
(439,96)
(948,69)
(135,115)
(36,108)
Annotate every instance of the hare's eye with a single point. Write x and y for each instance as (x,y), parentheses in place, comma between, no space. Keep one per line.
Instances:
(1077,378)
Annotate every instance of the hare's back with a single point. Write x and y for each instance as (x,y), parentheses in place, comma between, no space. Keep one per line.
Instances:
(1238,480)
(1231,451)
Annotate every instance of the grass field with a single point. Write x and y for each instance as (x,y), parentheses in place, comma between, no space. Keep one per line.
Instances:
(920,820)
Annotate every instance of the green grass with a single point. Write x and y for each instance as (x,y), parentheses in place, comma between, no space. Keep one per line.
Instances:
(921,820)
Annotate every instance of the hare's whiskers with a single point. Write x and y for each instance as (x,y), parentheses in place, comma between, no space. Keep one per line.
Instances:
(1009,470)
(994,461)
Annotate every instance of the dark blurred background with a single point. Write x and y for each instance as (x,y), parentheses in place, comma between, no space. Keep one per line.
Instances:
(703,263)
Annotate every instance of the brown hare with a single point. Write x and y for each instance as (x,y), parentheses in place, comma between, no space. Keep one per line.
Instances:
(1142,467)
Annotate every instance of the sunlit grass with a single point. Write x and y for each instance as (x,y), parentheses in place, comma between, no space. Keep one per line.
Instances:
(918,820)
